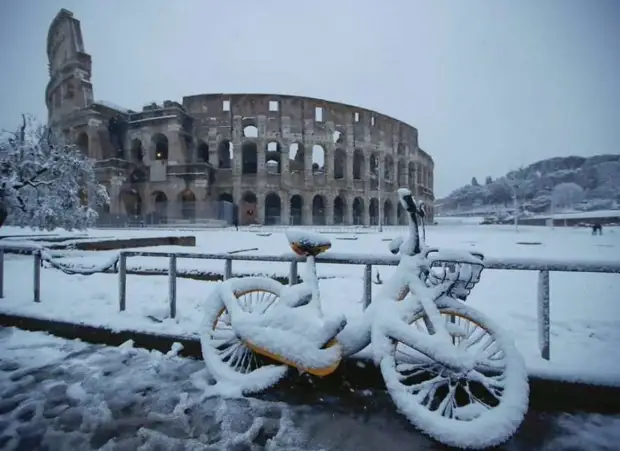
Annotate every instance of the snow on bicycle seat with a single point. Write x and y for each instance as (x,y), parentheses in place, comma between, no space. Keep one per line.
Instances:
(306,243)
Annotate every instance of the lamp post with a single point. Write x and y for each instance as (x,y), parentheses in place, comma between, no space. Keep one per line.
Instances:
(377,176)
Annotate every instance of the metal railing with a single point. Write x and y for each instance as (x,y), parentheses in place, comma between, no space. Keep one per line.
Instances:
(543,267)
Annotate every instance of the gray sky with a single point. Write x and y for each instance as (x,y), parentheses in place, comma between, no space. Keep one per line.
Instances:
(490,85)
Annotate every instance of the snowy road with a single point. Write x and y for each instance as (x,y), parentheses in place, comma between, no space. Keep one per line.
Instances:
(65,395)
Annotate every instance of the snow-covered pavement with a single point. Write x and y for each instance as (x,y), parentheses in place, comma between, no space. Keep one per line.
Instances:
(585,312)
(65,395)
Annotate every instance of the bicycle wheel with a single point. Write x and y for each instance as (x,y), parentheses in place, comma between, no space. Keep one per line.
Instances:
(476,410)
(229,361)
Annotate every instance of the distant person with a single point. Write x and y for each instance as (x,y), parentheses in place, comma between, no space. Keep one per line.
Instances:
(597,229)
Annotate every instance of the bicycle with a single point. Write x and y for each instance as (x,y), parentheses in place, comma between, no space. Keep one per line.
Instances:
(469,384)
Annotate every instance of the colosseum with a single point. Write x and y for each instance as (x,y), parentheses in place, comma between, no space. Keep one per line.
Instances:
(264,158)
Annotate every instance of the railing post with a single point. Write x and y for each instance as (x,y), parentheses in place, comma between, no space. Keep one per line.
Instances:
(228,269)
(367,297)
(292,274)
(544,336)
(37,276)
(1,273)
(122,282)
(172,285)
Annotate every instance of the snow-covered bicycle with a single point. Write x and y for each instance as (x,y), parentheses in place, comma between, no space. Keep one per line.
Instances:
(449,369)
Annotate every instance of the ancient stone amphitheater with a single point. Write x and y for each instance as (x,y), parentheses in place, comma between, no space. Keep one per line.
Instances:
(272,158)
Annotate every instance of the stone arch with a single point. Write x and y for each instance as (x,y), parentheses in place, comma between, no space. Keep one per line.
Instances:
(203,151)
(82,142)
(249,157)
(132,202)
(225,154)
(388,168)
(226,197)
(250,130)
(358,211)
(339,137)
(296,206)
(318,158)
(161,203)
(136,152)
(402,174)
(373,211)
(358,164)
(273,209)
(388,211)
(160,142)
(340,164)
(273,160)
(296,155)
(188,204)
(248,212)
(318,210)
(340,210)
(411,172)
(401,215)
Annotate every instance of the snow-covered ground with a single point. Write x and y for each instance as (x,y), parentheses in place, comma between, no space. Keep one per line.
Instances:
(63,395)
(585,309)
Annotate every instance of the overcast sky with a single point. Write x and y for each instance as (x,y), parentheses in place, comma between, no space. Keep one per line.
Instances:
(490,84)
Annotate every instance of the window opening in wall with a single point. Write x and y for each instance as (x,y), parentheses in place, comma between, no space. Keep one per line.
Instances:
(318,114)
(372,121)
(273,105)
(356,116)
(337,137)
(272,147)
(226,105)
(250,131)
(318,158)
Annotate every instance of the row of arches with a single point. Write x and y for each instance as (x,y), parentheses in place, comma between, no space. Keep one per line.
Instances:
(273,210)
(393,171)
(401,172)
(225,155)
(357,212)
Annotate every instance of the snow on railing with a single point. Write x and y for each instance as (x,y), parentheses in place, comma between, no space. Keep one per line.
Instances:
(119,262)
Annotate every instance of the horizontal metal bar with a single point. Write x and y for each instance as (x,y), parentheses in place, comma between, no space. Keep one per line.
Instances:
(518,264)
(342,258)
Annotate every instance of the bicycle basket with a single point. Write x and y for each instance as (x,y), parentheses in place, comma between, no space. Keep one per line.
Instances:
(463,271)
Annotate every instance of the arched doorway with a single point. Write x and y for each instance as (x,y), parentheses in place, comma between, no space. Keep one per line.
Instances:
(387,212)
(272,209)
(318,210)
(401,214)
(161,206)
(132,202)
(188,204)
(358,211)
(374,211)
(248,211)
(339,210)
(296,206)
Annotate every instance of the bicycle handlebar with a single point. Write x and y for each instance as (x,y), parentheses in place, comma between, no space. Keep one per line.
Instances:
(414,210)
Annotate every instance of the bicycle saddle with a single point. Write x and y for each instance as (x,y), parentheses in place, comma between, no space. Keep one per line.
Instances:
(307,243)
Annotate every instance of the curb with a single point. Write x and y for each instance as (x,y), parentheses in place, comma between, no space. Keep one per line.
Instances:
(545,395)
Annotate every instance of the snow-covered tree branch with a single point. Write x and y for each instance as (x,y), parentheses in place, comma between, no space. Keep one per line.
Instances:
(45,183)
